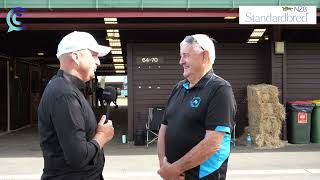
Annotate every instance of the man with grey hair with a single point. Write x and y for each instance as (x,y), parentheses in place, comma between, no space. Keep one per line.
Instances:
(70,138)
(195,135)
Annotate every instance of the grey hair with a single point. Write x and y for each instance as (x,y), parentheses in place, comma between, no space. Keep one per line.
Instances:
(192,41)
(196,46)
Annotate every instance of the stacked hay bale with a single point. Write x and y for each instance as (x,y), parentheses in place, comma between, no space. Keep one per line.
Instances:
(265,115)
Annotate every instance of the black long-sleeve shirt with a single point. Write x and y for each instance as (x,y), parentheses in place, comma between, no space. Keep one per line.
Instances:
(66,126)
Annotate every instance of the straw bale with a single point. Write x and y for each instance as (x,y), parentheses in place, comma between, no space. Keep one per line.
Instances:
(261,110)
(263,93)
(268,141)
(265,115)
(258,140)
(269,125)
(280,111)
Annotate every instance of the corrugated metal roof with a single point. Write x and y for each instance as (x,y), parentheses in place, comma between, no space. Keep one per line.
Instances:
(145,4)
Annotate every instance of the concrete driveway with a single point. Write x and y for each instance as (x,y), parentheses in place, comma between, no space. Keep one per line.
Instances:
(21,159)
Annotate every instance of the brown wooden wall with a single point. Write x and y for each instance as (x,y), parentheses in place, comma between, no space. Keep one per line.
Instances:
(151,84)
(19,95)
(303,71)
(27,81)
(242,65)
(277,71)
(3,94)
(35,92)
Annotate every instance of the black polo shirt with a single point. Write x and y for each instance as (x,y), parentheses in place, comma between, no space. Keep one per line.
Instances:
(209,105)
(66,126)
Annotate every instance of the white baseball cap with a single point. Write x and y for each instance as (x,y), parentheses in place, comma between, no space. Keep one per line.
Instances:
(81,40)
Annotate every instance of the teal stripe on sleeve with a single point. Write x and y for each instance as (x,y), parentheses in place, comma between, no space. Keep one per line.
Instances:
(223,129)
(217,159)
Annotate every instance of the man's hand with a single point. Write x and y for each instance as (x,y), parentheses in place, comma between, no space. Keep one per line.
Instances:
(161,144)
(104,132)
(168,171)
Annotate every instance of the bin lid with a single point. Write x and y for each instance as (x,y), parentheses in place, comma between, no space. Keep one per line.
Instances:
(304,106)
(300,102)
(316,102)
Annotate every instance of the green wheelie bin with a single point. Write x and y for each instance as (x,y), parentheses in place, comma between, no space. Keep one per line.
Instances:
(299,122)
(315,122)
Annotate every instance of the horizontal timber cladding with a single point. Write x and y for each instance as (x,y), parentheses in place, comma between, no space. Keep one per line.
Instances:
(3,95)
(19,95)
(303,71)
(153,79)
(242,65)
(276,69)
(155,75)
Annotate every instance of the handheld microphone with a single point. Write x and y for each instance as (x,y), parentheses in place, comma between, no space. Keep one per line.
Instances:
(109,94)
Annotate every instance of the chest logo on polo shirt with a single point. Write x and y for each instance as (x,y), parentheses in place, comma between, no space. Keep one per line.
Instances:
(195,102)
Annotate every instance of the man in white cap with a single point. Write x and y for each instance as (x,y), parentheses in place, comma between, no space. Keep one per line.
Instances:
(70,138)
(195,135)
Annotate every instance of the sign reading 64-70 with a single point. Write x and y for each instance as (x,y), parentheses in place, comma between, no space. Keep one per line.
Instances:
(149,60)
